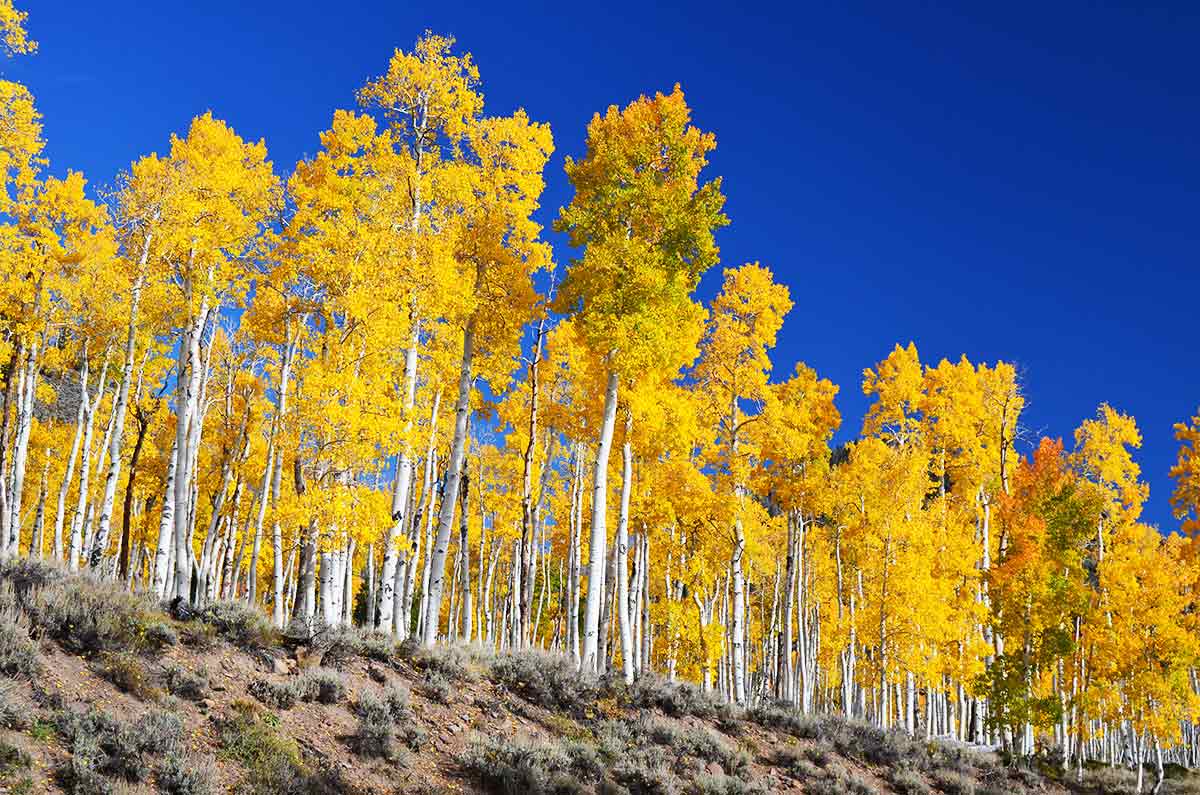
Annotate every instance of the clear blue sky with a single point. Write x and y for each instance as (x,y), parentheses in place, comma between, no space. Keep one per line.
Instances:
(1018,183)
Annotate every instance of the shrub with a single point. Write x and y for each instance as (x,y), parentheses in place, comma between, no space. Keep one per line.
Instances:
(871,744)
(436,687)
(12,759)
(841,784)
(646,771)
(29,574)
(726,785)
(86,615)
(241,624)
(159,635)
(79,774)
(185,684)
(405,726)
(199,635)
(818,754)
(795,761)
(499,765)
(677,699)
(127,673)
(374,734)
(280,695)
(952,782)
(179,775)
(101,746)
(695,741)
(322,684)
(397,697)
(13,713)
(339,645)
(454,663)
(788,719)
(158,731)
(1106,780)
(907,781)
(19,655)
(547,680)
(273,764)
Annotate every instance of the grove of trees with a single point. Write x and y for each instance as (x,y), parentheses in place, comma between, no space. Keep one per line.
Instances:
(364,393)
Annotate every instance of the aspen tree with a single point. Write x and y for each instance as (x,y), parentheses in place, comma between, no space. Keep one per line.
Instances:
(733,373)
(645,223)
(429,98)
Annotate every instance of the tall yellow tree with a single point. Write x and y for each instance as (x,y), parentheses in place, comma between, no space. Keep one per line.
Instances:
(645,223)
(732,375)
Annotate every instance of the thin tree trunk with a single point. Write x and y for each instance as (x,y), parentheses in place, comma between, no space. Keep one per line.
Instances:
(623,617)
(596,557)
(450,493)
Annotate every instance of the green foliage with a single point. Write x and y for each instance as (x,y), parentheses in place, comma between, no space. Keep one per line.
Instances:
(273,764)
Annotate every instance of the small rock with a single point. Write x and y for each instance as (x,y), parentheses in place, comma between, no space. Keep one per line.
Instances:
(713,769)
(278,666)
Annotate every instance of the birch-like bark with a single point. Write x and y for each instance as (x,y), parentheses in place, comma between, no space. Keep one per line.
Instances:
(454,467)
(124,549)
(21,453)
(403,481)
(37,544)
(187,409)
(163,553)
(277,607)
(623,617)
(85,469)
(114,452)
(527,529)
(80,418)
(599,540)
(464,543)
(259,518)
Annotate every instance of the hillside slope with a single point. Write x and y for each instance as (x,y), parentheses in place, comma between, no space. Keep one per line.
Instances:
(103,692)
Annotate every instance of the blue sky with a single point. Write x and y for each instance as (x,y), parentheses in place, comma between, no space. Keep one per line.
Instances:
(1017,182)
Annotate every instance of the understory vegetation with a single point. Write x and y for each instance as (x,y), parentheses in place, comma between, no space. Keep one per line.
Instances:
(599,735)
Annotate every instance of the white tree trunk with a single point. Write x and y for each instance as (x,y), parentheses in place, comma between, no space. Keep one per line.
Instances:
(626,627)
(403,481)
(85,469)
(450,494)
(187,410)
(118,434)
(599,540)
(166,526)
(21,454)
(80,417)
